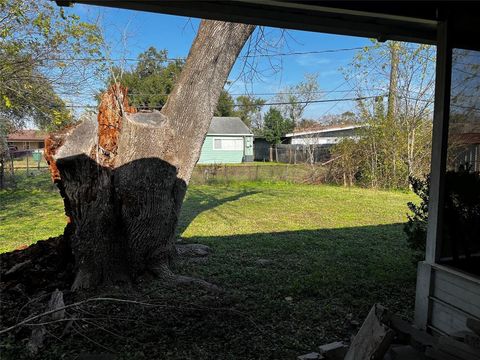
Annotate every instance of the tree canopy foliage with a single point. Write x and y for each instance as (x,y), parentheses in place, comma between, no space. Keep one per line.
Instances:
(151,80)
(275,126)
(44,51)
(246,107)
(225,105)
(249,109)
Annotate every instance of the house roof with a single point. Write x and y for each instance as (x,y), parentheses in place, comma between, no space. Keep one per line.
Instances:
(464,132)
(228,126)
(324,129)
(27,135)
(465,139)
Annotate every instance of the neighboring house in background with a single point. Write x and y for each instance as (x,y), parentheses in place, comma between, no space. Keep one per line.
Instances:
(464,145)
(305,145)
(325,135)
(228,141)
(26,140)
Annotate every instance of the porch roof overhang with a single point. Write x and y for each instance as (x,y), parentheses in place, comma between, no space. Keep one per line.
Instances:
(414,21)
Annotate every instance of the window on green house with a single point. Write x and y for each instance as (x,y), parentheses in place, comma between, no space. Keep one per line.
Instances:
(228,144)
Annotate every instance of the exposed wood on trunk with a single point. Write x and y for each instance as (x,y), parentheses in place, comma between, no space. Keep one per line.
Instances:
(123,174)
(52,143)
(113,105)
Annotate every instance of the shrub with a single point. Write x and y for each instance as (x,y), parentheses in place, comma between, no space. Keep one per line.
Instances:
(461,213)
(416,227)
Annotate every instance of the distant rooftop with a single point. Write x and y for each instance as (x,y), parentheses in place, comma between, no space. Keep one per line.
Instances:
(27,135)
(228,126)
(323,129)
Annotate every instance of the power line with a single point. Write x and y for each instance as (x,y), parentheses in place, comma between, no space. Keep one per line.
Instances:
(295,53)
(306,52)
(321,101)
(371,66)
(266,104)
(233,94)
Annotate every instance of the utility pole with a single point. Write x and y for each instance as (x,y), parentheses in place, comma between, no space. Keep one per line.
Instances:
(393,86)
(392,99)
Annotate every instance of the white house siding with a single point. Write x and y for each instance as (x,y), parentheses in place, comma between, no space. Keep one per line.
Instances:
(233,152)
(320,140)
(455,297)
(329,136)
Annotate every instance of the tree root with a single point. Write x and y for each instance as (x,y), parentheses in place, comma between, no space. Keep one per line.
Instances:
(164,273)
(192,250)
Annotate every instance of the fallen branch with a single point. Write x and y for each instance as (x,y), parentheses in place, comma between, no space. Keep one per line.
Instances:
(27,322)
(50,312)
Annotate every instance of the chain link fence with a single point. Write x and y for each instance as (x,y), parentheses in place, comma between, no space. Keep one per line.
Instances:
(295,173)
(18,164)
(15,164)
(301,154)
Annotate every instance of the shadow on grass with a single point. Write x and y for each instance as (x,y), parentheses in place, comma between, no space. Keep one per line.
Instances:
(317,288)
(198,201)
(355,265)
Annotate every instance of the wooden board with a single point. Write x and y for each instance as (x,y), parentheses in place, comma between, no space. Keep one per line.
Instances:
(374,337)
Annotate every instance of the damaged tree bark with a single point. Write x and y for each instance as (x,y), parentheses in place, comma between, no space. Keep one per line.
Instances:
(124,175)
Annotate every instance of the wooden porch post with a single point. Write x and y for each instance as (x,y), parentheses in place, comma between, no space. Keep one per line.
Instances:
(437,177)
(439,144)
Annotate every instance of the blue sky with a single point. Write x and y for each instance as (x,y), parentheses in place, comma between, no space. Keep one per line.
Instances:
(131,32)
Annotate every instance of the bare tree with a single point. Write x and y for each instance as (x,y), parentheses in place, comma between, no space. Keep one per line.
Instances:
(397,136)
(124,176)
(295,99)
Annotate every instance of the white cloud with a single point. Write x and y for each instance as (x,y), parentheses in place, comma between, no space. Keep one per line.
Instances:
(311,60)
(328,73)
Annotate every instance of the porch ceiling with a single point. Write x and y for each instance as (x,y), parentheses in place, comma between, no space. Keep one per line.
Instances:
(414,21)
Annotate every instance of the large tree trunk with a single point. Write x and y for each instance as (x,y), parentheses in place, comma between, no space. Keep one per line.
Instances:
(123,174)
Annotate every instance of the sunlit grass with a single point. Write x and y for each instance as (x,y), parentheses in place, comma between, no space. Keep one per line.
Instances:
(33,211)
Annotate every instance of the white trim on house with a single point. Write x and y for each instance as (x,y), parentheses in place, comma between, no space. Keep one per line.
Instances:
(326,140)
(230,138)
(323,130)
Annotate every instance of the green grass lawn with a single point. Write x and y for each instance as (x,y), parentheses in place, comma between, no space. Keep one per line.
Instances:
(330,252)
(33,211)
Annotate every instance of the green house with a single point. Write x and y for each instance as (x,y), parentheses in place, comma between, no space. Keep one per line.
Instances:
(228,141)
